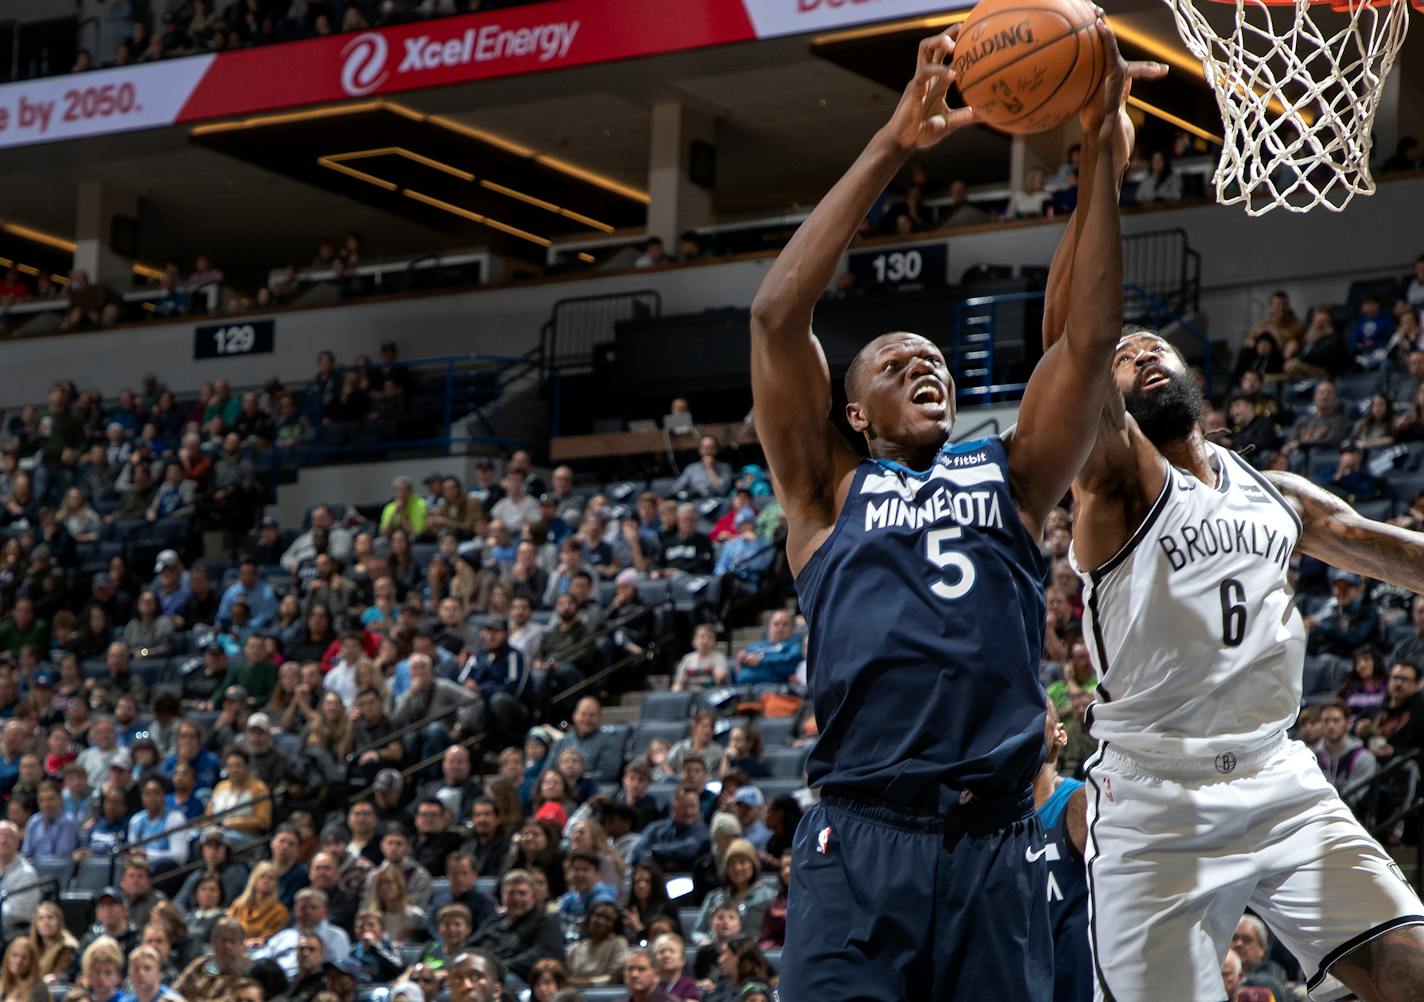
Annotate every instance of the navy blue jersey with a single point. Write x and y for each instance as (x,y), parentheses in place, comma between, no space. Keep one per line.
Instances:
(1067,899)
(926,611)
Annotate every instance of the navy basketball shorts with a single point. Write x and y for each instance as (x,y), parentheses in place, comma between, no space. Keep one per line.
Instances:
(888,906)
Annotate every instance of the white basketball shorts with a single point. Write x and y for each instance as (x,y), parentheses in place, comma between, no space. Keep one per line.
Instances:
(1177,851)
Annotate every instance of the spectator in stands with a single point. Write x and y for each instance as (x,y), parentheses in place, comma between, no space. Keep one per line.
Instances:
(149,632)
(1162,182)
(702,667)
(461,872)
(742,888)
(241,804)
(1375,428)
(405,510)
(707,477)
(1261,355)
(55,946)
(104,833)
(1282,322)
(1325,426)
(744,752)
(1323,352)
(1348,623)
(1371,333)
(1411,648)
(261,601)
(1365,690)
(516,508)
(1399,727)
(213,978)
(50,832)
(773,660)
(671,962)
(1354,481)
(678,841)
(432,696)
(489,847)
(699,744)
(654,255)
(216,862)
(744,559)
(1252,943)
(602,749)
(111,920)
(159,829)
(960,211)
(521,935)
(1343,758)
(598,958)
(309,918)
(257,908)
(102,962)
(1033,200)
(303,548)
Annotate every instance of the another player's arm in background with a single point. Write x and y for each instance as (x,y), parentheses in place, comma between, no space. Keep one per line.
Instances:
(1060,414)
(811,462)
(1341,537)
(1075,816)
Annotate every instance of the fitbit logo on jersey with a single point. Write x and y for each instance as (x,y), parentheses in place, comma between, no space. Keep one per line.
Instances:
(984,45)
(367,55)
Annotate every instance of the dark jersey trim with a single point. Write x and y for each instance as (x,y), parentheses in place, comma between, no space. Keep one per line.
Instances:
(1092,897)
(1153,513)
(1270,489)
(1092,604)
(1348,947)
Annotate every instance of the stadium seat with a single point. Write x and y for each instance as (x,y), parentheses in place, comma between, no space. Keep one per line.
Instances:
(604,993)
(95,873)
(410,952)
(773,788)
(662,793)
(439,889)
(78,908)
(59,868)
(665,706)
(776,730)
(488,886)
(785,763)
(645,730)
(773,960)
(688,918)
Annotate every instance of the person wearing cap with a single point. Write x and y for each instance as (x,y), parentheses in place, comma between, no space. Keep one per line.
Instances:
(343,978)
(261,599)
(388,797)
(267,549)
(502,678)
(269,764)
(742,888)
(1348,623)
(405,510)
(111,918)
(748,804)
(170,583)
(431,483)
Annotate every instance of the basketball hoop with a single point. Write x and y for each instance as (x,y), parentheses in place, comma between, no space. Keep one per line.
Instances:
(1298,83)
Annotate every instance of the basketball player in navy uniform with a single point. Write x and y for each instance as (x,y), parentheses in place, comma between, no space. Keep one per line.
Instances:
(1199,806)
(920,574)
(1062,808)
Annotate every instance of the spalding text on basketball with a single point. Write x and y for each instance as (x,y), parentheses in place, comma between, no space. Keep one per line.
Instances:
(978,48)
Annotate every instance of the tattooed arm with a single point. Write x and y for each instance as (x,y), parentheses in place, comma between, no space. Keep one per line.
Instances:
(1341,537)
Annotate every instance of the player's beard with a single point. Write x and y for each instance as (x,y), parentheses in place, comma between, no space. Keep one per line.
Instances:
(1170,412)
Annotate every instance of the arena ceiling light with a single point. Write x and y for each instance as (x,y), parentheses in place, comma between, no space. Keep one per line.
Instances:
(1179,122)
(67,245)
(476,217)
(338,162)
(442,121)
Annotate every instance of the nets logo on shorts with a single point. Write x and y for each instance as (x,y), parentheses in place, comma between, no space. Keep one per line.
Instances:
(1225,763)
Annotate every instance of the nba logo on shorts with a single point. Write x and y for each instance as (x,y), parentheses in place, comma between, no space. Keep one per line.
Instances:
(823,840)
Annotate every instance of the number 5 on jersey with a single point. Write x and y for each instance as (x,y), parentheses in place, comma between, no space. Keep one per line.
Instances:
(960,576)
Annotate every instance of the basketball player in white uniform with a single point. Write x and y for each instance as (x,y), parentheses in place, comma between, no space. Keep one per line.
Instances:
(1198,805)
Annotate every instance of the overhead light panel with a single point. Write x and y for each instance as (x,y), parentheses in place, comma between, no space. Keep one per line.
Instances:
(286,118)
(1179,122)
(476,217)
(577,217)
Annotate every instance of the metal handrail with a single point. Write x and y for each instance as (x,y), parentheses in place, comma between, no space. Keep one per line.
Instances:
(1371,788)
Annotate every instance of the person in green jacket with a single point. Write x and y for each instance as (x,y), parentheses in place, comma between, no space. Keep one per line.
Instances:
(23,628)
(405,510)
(256,674)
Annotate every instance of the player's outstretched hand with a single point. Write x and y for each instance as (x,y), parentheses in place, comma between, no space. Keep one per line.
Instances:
(1117,84)
(923,117)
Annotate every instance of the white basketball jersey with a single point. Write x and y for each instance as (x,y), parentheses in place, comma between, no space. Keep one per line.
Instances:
(1198,648)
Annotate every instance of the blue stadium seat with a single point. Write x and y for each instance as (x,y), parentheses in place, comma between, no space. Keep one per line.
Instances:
(410,952)
(662,793)
(488,886)
(773,788)
(58,867)
(773,960)
(150,670)
(604,993)
(665,706)
(645,730)
(688,918)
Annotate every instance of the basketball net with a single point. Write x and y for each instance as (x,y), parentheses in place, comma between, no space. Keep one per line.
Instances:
(1297,101)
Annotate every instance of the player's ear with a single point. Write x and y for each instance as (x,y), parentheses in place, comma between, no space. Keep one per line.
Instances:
(855,416)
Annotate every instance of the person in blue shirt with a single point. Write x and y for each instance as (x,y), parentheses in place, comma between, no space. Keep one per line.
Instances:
(678,841)
(584,890)
(78,796)
(157,828)
(110,829)
(170,583)
(50,832)
(190,751)
(1371,333)
(261,599)
(773,660)
(746,556)
(184,798)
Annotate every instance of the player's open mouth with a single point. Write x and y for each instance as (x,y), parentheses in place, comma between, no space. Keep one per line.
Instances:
(929,397)
(1155,377)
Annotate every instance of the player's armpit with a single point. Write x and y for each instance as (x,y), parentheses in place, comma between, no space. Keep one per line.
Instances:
(1335,533)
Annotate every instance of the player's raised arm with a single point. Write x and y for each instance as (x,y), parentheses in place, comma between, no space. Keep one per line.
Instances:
(791,385)
(1335,533)
(1062,408)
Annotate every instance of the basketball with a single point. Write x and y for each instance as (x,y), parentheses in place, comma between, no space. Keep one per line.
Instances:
(1028,65)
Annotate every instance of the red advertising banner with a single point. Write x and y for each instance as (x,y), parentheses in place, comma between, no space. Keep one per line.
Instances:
(531,39)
